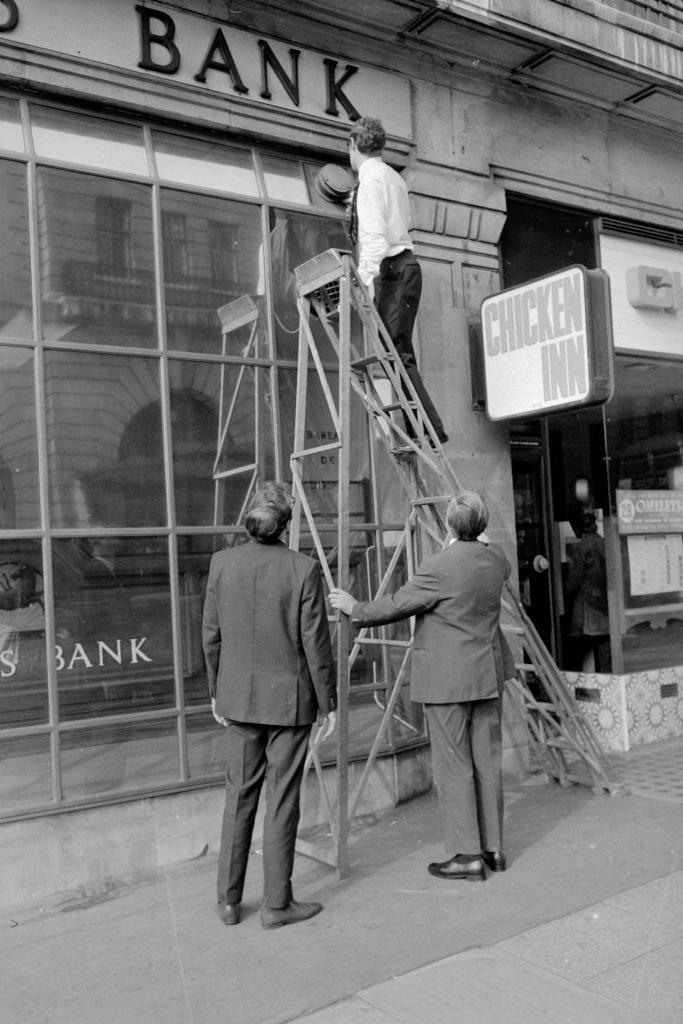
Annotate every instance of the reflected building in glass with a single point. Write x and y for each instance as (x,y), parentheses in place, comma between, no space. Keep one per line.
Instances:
(154,424)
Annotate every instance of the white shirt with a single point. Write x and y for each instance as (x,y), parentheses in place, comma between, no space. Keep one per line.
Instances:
(383,209)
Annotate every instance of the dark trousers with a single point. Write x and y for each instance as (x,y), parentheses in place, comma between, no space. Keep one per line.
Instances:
(398,288)
(255,752)
(467,758)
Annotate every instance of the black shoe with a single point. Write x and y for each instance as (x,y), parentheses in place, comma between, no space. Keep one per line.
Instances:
(276,917)
(472,870)
(494,860)
(229,913)
(442,436)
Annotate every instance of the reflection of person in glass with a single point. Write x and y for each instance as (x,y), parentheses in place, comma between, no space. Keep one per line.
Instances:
(90,599)
(460,660)
(380,215)
(21,607)
(270,673)
(294,239)
(586,582)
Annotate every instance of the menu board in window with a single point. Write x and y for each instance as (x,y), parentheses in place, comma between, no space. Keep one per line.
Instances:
(650,525)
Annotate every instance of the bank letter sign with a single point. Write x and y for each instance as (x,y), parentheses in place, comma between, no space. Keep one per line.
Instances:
(547,345)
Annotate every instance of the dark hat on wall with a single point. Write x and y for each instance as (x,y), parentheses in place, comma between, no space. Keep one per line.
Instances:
(334,183)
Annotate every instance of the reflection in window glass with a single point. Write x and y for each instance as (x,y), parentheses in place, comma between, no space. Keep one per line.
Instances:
(284,180)
(26,776)
(320,471)
(294,239)
(90,141)
(104,438)
(205,746)
(211,250)
(11,132)
(205,165)
(96,260)
(23,680)
(19,493)
(119,758)
(194,556)
(222,434)
(113,625)
(16,315)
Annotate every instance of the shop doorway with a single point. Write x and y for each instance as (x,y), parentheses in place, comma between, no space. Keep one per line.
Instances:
(534,548)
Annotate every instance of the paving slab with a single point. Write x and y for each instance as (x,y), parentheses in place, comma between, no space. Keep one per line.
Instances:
(158,953)
(479,987)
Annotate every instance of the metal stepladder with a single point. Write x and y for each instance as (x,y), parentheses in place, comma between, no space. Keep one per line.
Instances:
(338,321)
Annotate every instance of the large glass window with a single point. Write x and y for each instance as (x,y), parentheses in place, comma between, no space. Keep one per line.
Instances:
(114,650)
(634,444)
(211,256)
(205,165)
(155,385)
(222,436)
(90,141)
(16,314)
(294,239)
(11,131)
(23,676)
(105,470)
(96,260)
(19,491)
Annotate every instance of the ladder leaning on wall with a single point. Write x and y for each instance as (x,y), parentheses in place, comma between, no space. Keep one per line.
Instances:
(338,322)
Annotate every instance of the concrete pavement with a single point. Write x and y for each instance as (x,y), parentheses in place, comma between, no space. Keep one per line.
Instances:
(586,924)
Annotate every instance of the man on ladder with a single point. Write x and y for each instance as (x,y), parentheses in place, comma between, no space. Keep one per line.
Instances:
(380,216)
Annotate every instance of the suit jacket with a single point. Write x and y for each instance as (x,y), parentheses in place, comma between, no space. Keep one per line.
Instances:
(266,637)
(455,597)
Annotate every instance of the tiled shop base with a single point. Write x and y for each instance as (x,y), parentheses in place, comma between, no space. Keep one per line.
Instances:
(627,711)
(655,770)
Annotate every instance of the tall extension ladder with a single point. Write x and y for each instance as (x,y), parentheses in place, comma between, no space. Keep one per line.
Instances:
(330,290)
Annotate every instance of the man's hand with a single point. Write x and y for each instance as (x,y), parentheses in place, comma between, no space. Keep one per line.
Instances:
(326,725)
(219,718)
(341,601)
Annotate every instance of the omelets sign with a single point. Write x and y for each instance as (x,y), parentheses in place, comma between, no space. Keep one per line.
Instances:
(547,345)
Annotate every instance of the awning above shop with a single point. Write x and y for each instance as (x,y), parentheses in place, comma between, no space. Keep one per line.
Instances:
(623,57)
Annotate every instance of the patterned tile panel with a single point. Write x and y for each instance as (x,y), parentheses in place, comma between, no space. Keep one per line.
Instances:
(628,711)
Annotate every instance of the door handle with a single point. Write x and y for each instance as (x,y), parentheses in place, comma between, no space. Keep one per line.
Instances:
(540,563)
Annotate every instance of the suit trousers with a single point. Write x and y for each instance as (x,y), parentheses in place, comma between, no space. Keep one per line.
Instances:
(467,752)
(398,288)
(254,753)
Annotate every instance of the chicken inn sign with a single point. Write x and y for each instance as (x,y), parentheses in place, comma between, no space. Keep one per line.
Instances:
(547,345)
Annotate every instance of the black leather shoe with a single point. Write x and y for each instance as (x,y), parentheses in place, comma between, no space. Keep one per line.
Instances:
(494,860)
(471,870)
(229,913)
(276,917)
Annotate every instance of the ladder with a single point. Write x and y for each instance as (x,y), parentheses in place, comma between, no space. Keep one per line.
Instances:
(338,322)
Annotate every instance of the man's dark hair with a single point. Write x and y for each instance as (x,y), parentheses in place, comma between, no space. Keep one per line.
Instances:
(269,512)
(369,135)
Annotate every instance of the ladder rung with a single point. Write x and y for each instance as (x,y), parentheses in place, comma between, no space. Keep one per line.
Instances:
(405,449)
(373,360)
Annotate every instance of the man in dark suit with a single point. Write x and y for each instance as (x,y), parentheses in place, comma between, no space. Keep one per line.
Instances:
(459,661)
(271,673)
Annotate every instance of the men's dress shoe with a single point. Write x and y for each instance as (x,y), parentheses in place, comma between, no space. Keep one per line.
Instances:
(276,917)
(471,870)
(229,913)
(494,860)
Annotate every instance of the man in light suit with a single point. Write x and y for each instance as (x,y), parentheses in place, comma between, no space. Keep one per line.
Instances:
(459,661)
(271,674)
